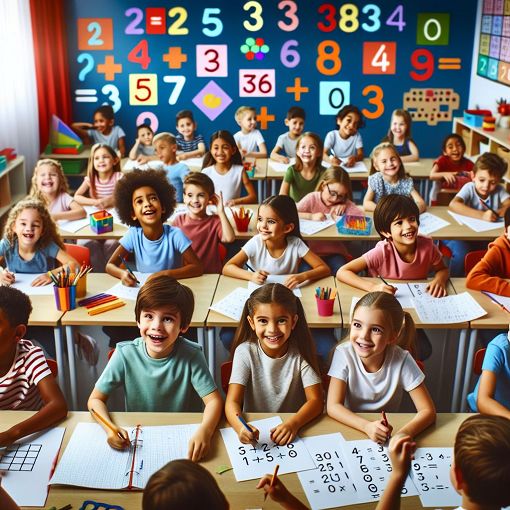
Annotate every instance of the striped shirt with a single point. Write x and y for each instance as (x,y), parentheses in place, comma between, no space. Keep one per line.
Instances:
(18,387)
(189,145)
(105,189)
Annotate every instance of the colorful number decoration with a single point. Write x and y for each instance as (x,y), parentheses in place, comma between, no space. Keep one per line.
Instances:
(256,22)
(433,28)
(133,27)
(179,82)
(95,34)
(151,117)
(376,100)
(140,54)
(396,18)
(289,56)
(256,83)
(328,51)
(155,20)
(112,93)
(379,57)
(212,60)
(333,95)
(290,14)
(88,67)
(423,62)
(211,16)
(143,89)
(177,27)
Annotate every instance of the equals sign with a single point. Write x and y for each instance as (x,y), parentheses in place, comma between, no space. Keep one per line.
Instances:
(86,95)
(156,20)
(449,63)
(432,466)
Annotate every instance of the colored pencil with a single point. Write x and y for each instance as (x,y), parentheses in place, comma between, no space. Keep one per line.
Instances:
(245,425)
(273,478)
(489,207)
(108,424)
(106,307)
(128,269)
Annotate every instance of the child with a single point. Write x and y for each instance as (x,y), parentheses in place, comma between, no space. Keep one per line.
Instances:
(189,143)
(333,196)
(275,367)
(249,138)
(370,372)
(295,121)
(304,176)
(451,170)
(388,176)
(224,165)
(26,381)
(479,471)
(145,200)
(142,150)
(103,173)
(206,232)
(166,149)
(102,130)
(492,392)
(399,135)
(345,144)
(492,272)
(49,185)
(161,371)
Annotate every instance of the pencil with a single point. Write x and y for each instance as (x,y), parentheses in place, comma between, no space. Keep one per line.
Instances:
(384,419)
(489,207)
(128,269)
(106,307)
(383,280)
(273,479)
(108,424)
(245,425)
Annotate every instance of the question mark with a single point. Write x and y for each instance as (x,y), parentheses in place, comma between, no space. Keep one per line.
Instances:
(82,57)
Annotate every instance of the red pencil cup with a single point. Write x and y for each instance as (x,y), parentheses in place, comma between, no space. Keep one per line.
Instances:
(65,298)
(243,223)
(325,306)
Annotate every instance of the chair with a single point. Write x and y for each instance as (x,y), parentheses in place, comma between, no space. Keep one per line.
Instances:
(222,252)
(478,361)
(80,253)
(472,258)
(226,370)
(53,367)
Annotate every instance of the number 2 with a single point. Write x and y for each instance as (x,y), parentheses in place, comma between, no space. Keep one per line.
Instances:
(94,38)
(176,27)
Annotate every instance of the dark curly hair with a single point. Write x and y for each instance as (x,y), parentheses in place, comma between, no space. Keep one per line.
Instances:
(15,305)
(157,180)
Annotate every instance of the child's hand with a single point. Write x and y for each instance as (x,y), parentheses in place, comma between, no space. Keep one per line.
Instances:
(351,161)
(401,450)
(293,280)
(278,492)
(230,203)
(198,445)
(378,432)
(7,438)
(42,279)
(335,161)
(115,441)
(243,152)
(6,277)
(259,276)
(218,201)
(436,289)
(248,437)
(382,287)
(99,204)
(283,433)
(318,216)
(285,160)
(128,279)
(142,159)
(338,210)
(450,177)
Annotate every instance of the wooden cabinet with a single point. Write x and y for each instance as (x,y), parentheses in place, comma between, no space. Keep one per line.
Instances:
(13,185)
(498,141)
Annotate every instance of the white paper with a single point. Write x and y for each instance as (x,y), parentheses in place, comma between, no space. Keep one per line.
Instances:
(310,227)
(497,299)
(125,292)
(430,471)
(281,167)
(132,164)
(27,465)
(358,167)
(449,309)
(274,278)
(24,281)
(431,223)
(476,224)
(407,291)
(88,460)
(232,304)
(254,461)
(73,225)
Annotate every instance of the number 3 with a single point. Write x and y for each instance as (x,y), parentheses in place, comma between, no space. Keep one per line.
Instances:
(256,15)
(376,100)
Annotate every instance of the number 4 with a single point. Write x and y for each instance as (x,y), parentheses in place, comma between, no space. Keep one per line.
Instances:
(381,59)
(179,85)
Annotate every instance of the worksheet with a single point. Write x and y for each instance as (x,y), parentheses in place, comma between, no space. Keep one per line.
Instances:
(449,309)
(476,224)
(310,227)
(431,223)
(358,167)
(73,225)
(23,282)
(274,278)
(125,292)
(232,304)
(281,167)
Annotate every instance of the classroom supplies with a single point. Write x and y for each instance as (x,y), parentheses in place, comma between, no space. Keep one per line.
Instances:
(309,227)
(24,281)
(63,140)
(249,167)
(354,225)
(430,223)
(125,292)
(232,304)
(245,425)
(128,269)
(28,463)
(449,309)
(242,218)
(502,301)
(90,504)
(65,298)
(88,460)
(101,222)
(476,224)
(101,303)
(325,298)
(358,167)
(108,424)
(274,478)
(73,225)
(251,461)
(281,167)
(485,204)
(274,278)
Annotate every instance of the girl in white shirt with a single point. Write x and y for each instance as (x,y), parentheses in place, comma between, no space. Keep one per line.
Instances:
(370,372)
(275,367)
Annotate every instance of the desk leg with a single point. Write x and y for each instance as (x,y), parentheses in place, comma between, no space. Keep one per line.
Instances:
(458,370)
(59,349)
(273,186)
(200,338)
(72,367)
(211,350)
(260,190)
(473,335)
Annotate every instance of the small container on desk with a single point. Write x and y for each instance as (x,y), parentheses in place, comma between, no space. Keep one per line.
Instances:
(354,225)
(65,298)
(474,118)
(242,218)
(325,298)
(250,168)
(101,222)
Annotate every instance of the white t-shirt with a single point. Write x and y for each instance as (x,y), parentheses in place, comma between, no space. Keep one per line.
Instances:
(342,148)
(382,390)
(229,184)
(250,142)
(288,263)
(272,385)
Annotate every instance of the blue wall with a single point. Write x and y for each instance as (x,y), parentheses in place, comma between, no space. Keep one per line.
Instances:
(367,26)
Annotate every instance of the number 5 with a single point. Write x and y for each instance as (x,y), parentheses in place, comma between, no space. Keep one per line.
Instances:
(140,86)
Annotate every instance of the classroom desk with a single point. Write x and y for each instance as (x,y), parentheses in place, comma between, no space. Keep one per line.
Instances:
(241,495)
(86,233)
(203,288)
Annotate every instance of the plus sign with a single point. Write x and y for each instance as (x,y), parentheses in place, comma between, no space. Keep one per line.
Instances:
(175,57)
(264,118)
(109,68)
(297,89)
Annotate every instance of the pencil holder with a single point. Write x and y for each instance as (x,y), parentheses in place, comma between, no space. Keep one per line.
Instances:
(101,222)
(354,225)
(81,287)
(249,166)
(325,306)
(65,298)
(242,222)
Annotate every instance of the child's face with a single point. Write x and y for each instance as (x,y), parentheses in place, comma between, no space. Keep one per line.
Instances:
(273,325)
(270,226)
(485,183)
(403,231)
(147,208)
(454,149)
(165,151)
(145,135)
(47,179)
(333,193)
(28,227)
(248,121)
(102,124)
(398,126)
(104,161)
(295,125)
(387,162)
(159,329)
(186,128)
(196,200)
(222,151)
(370,334)
(348,126)
(308,150)
(9,336)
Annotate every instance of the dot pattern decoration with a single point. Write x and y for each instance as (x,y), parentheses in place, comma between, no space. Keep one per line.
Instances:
(255,48)
(431,105)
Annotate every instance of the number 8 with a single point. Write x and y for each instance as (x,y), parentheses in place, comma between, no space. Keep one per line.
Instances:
(333,56)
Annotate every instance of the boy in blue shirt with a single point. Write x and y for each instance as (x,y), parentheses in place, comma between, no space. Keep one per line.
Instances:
(160,371)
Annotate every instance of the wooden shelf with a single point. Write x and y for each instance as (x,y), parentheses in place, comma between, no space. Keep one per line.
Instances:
(497,139)
(13,186)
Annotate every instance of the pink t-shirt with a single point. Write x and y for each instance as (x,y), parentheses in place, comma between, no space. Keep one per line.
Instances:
(312,203)
(384,260)
(205,236)
(105,189)
(61,204)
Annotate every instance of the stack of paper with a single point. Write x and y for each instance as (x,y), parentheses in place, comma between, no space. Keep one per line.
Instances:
(476,224)
(309,227)
(125,292)
(358,167)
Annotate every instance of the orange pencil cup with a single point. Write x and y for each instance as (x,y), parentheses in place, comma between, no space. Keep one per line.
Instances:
(65,298)
(325,306)
(81,287)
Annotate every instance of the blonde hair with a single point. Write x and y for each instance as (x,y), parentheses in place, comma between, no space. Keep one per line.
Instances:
(49,231)
(336,174)
(92,172)
(298,165)
(63,186)
(164,137)
(383,146)
(242,110)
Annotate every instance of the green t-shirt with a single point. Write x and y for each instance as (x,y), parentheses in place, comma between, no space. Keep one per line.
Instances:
(299,187)
(173,384)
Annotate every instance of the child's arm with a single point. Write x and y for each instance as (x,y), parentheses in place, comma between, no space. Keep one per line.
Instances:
(414,156)
(457,205)
(262,152)
(113,267)
(375,430)
(437,287)
(80,197)
(234,268)
(105,202)
(201,440)
(76,212)
(81,129)
(250,198)
(486,402)
(227,232)
(504,207)
(64,259)
(133,153)
(287,431)
(284,188)
(6,502)
(278,157)
(235,398)
(348,274)
(122,146)
(279,493)
(319,270)
(359,156)
(437,175)
(425,415)
(53,411)
(489,274)
(422,206)
(191,266)
(197,153)
(368,200)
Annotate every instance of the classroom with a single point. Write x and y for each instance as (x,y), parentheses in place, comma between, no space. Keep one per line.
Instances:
(244,229)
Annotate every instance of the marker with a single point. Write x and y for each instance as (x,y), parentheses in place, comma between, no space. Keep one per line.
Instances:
(249,268)
(246,426)
(489,207)
(273,479)
(128,269)
(109,425)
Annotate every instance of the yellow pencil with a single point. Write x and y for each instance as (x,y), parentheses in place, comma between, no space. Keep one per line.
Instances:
(273,479)
(108,424)
(106,307)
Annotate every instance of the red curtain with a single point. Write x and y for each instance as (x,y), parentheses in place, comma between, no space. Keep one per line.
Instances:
(51,66)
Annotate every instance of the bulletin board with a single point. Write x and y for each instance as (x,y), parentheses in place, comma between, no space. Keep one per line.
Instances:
(151,60)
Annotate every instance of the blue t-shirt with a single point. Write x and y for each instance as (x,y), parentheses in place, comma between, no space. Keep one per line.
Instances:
(153,256)
(175,175)
(42,261)
(112,139)
(497,360)
(189,145)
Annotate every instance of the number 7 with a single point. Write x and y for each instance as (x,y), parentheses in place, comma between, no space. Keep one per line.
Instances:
(179,85)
